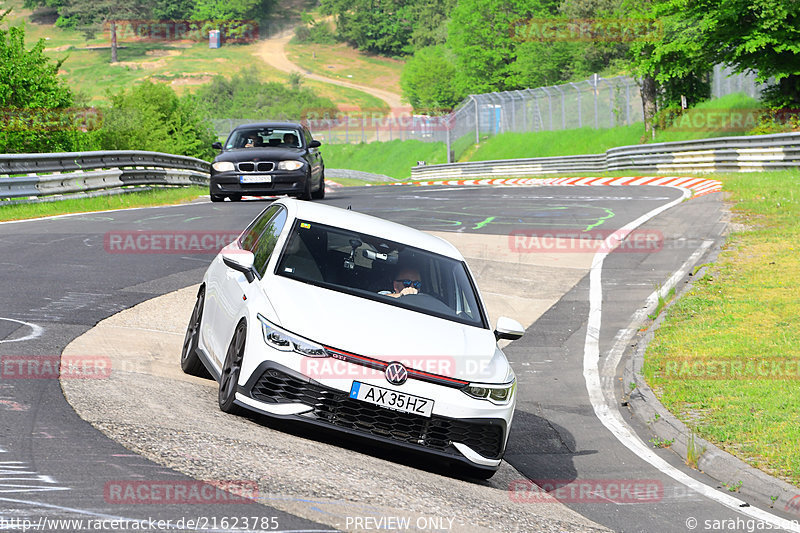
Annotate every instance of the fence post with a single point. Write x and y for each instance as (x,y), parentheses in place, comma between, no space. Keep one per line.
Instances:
(596,94)
(477,121)
(580,117)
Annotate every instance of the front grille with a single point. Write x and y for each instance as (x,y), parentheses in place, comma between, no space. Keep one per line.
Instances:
(338,409)
(263,166)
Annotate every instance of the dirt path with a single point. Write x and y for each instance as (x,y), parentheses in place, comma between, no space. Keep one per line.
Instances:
(273,52)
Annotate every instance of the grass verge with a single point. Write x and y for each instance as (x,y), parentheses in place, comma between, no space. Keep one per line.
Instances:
(727,116)
(344,62)
(159,196)
(722,358)
(393,158)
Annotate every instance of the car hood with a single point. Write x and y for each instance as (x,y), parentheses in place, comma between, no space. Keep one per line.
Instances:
(386,332)
(260,154)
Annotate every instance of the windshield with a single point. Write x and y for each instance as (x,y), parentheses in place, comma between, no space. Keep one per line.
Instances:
(263,137)
(374,268)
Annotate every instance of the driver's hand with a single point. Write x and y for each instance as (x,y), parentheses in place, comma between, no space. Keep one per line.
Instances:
(408,290)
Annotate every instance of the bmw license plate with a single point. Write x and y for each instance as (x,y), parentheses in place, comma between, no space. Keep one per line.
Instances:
(390,399)
(255,179)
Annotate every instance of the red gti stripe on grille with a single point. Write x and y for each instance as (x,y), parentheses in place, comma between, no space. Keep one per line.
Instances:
(412,373)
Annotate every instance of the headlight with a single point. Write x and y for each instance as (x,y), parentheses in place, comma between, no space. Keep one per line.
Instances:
(223,166)
(288,342)
(290,165)
(499,394)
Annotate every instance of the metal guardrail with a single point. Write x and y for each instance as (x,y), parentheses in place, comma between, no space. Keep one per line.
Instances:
(25,175)
(723,154)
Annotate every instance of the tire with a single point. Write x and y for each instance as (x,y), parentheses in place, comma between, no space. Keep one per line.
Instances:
(215,198)
(235,197)
(306,194)
(320,194)
(229,377)
(190,361)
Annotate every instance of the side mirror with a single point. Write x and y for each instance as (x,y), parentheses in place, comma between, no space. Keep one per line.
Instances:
(216,145)
(241,260)
(314,144)
(508,328)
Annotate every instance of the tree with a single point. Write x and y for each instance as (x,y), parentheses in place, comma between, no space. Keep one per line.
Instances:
(481,33)
(34,100)
(28,78)
(427,80)
(381,27)
(750,35)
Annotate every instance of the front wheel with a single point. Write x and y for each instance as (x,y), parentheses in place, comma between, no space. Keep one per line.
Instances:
(306,194)
(320,194)
(229,378)
(216,198)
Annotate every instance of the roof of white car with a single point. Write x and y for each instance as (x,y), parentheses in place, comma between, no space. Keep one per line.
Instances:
(378,227)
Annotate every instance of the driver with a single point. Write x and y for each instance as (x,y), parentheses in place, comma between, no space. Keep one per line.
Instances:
(407,281)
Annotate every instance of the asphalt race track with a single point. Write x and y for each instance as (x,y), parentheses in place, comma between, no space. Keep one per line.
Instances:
(61,278)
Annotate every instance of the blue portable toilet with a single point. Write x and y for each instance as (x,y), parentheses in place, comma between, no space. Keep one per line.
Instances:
(214,39)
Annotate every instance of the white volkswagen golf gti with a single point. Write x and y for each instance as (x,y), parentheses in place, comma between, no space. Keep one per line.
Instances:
(336,318)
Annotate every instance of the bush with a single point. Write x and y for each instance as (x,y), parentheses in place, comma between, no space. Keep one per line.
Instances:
(246,96)
(427,80)
(151,117)
(313,32)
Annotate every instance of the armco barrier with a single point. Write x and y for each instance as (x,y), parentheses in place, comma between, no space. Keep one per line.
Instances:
(724,154)
(25,175)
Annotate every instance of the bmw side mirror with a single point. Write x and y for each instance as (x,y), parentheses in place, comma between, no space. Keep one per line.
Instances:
(241,260)
(314,144)
(216,145)
(508,328)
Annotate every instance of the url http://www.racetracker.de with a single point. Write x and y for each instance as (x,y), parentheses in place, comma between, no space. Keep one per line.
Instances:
(199,523)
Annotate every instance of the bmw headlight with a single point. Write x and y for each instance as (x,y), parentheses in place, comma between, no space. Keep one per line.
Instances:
(499,394)
(290,165)
(284,341)
(223,166)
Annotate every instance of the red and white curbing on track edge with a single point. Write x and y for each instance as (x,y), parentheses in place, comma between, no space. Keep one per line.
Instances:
(698,186)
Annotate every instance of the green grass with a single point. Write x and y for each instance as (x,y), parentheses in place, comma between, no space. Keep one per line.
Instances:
(708,119)
(742,309)
(183,65)
(393,159)
(159,196)
(343,62)
(552,143)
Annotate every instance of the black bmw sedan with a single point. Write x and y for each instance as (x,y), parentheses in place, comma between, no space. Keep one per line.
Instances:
(268,159)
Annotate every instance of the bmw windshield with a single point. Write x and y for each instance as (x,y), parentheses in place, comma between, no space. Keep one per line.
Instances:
(378,269)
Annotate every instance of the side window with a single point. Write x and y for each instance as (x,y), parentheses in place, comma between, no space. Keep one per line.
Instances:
(307,135)
(266,242)
(256,228)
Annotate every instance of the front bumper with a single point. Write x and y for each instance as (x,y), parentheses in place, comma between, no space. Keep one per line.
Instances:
(277,390)
(291,182)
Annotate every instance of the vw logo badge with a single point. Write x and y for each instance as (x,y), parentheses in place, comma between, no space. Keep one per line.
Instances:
(396,374)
